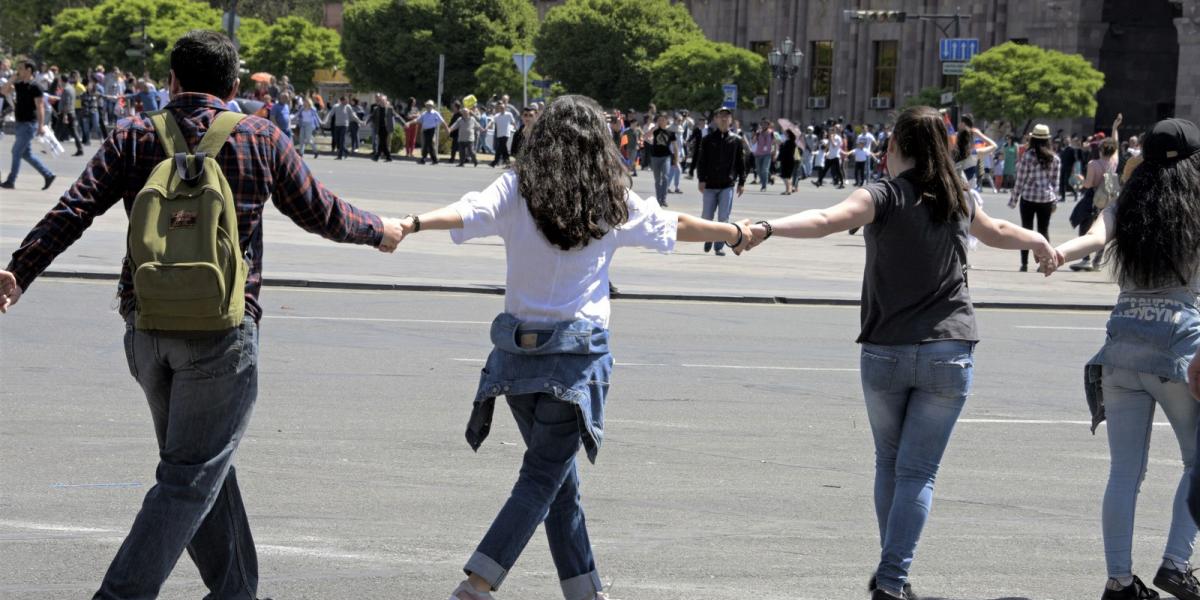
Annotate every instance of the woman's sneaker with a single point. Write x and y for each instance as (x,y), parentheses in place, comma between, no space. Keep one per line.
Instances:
(1181,584)
(466,591)
(908,593)
(1134,591)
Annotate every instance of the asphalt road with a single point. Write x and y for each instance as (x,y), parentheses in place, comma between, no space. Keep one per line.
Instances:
(737,462)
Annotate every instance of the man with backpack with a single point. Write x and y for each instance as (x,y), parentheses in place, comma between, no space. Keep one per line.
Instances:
(194,179)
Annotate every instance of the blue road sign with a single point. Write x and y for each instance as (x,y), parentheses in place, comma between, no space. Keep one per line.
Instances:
(958,49)
(731,92)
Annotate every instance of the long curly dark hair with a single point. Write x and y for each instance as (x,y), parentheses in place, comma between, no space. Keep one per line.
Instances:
(571,174)
(1157,241)
(921,135)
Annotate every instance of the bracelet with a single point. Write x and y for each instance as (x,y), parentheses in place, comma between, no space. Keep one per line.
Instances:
(767,226)
(740,236)
(416,222)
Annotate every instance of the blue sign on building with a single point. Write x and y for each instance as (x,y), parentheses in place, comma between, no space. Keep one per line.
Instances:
(958,49)
(731,96)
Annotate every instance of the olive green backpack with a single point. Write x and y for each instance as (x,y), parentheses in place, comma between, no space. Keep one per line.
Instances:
(188,270)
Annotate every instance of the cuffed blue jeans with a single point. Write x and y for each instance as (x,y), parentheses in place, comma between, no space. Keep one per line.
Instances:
(914,395)
(661,166)
(718,203)
(547,491)
(201,393)
(22,150)
(1129,400)
(762,165)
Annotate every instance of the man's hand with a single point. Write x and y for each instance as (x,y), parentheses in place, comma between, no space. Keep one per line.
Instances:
(760,234)
(702,187)
(748,237)
(1117,122)
(10,292)
(41,130)
(393,234)
(740,188)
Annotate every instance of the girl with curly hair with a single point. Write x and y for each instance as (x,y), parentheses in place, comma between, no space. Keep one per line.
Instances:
(562,213)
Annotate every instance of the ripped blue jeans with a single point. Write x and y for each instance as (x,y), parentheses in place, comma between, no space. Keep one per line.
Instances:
(914,394)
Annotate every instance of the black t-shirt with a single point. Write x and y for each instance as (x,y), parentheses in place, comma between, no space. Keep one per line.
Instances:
(28,95)
(662,140)
(915,282)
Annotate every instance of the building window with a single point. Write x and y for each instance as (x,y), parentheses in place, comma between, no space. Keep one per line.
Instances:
(763,48)
(887,54)
(821,69)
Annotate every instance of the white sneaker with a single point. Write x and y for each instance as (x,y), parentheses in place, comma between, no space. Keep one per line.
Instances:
(466,591)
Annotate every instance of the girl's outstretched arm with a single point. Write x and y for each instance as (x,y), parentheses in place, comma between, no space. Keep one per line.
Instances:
(1002,234)
(442,218)
(1093,241)
(857,210)
(695,229)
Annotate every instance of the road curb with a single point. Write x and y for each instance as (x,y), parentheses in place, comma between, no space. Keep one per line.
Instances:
(497,290)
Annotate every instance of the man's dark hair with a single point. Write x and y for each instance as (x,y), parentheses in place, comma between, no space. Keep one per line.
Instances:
(29,65)
(205,62)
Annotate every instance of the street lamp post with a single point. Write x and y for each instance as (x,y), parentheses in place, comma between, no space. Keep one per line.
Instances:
(785,63)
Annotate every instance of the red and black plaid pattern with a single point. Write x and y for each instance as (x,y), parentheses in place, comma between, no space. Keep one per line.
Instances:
(1034,182)
(259,162)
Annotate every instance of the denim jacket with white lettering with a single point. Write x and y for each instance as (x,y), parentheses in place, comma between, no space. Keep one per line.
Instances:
(570,362)
(1153,332)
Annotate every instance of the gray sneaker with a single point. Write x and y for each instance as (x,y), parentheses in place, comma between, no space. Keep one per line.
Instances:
(466,591)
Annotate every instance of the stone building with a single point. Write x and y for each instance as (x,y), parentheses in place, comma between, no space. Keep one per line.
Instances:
(1149,50)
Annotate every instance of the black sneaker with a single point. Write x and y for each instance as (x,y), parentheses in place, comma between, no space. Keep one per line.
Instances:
(8,185)
(1135,591)
(708,246)
(908,593)
(49,182)
(1183,585)
(719,253)
(882,595)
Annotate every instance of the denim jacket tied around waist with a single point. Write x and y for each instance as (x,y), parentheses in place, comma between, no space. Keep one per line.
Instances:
(1150,332)
(570,361)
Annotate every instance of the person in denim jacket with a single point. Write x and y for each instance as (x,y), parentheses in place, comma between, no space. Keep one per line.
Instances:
(1153,234)
(918,325)
(562,213)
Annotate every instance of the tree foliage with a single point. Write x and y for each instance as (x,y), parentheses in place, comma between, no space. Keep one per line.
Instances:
(928,96)
(690,75)
(499,75)
(20,21)
(272,10)
(1018,83)
(394,46)
(604,48)
(293,46)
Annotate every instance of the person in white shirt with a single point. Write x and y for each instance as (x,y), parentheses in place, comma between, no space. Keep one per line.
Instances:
(503,122)
(430,120)
(833,158)
(559,245)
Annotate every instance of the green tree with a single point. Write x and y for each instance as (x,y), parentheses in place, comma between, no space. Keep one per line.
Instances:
(499,75)
(272,10)
(394,46)
(928,96)
(604,48)
(1019,82)
(20,21)
(84,37)
(690,75)
(293,46)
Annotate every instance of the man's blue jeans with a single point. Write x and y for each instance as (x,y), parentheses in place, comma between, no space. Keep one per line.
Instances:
(547,490)
(661,166)
(719,203)
(22,149)
(914,394)
(201,393)
(1129,399)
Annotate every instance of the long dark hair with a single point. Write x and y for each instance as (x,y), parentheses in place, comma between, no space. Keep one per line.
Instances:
(570,173)
(1157,241)
(1040,148)
(920,135)
(962,143)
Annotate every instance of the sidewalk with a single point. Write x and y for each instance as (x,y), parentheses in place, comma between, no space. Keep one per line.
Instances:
(827,271)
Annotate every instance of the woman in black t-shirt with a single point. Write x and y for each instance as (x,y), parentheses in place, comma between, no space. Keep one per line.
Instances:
(787,161)
(918,326)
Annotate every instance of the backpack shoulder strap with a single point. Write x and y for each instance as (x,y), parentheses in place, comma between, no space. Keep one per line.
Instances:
(169,134)
(218,133)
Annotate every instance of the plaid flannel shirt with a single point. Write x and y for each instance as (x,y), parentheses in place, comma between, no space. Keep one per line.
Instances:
(1034,183)
(258,160)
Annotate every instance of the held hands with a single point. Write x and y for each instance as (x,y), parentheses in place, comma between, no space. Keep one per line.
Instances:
(743,239)
(1048,257)
(10,292)
(393,234)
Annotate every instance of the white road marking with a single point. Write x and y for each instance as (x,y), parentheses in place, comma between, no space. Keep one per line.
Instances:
(1060,327)
(1039,422)
(53,527)
(374,320)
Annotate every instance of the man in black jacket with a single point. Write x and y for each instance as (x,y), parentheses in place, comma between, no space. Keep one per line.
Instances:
(383,123)
(1068,156)
(721,162)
